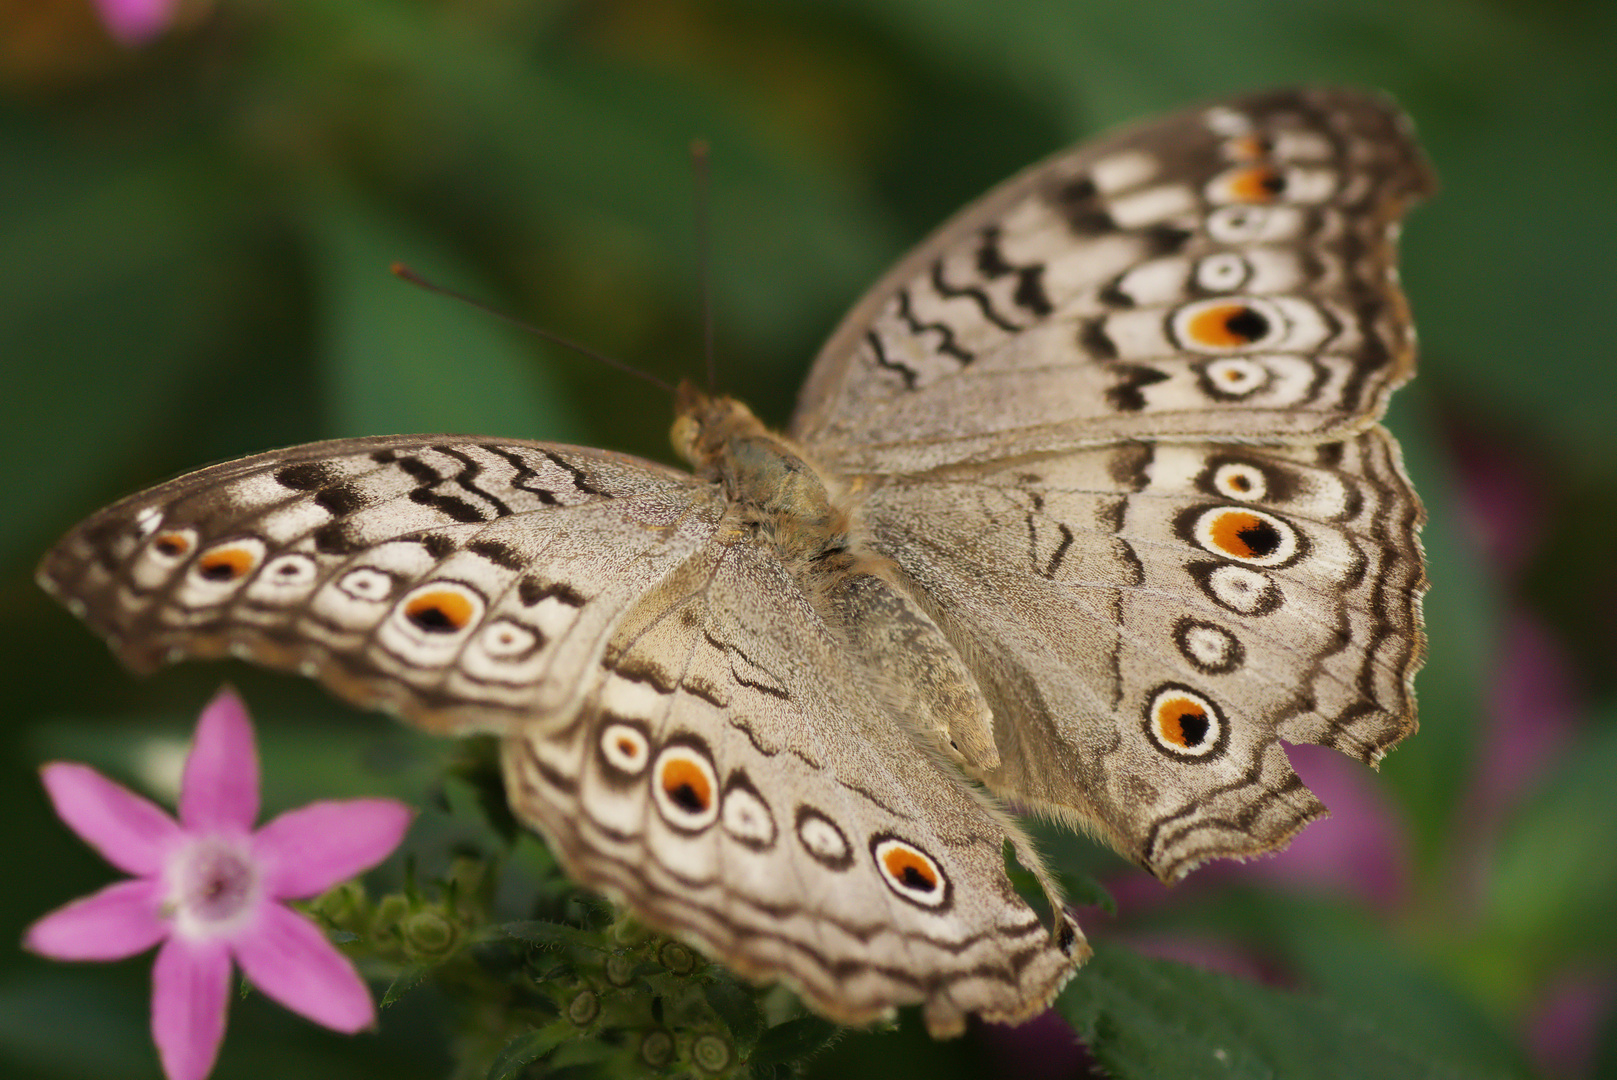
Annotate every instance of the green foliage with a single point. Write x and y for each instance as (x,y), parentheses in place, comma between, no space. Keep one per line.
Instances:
(197,238)
(1549,901)
(1150,1018)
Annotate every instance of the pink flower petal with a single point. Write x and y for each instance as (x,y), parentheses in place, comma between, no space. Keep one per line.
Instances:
(130,832)
(289,959)
(308,850)
(190,985)
(135,22)
(121,920)
(220,788)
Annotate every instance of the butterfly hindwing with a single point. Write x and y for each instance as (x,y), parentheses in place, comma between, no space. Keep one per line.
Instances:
(1150,620)
(731,779)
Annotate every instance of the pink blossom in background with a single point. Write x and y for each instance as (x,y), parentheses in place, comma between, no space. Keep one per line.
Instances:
(1505,497)
(136,22)
(1564,1029)
(1044,1048)
(209,890)
(1534,710)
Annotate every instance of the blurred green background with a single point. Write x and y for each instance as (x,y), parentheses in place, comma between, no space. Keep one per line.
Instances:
(194,242)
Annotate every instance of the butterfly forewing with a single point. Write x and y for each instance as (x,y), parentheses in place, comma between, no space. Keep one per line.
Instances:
(461,583)
(1227,272)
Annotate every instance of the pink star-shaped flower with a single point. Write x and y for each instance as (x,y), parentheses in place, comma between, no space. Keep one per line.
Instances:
(209,889)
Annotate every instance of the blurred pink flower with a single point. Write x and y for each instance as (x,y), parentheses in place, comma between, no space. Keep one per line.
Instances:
(208,888)
(1534,710)
(135,22)
(1563,1032)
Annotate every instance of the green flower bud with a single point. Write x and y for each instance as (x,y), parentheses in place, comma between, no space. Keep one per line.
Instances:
(391,910)
(657,1048)
(620,969)
(584,1008)
(429,934)
(676,958)
(627,930)
(711,1054)
(343,906)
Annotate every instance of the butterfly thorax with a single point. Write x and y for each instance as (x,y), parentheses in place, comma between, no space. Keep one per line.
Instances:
(779,499)
(776,496)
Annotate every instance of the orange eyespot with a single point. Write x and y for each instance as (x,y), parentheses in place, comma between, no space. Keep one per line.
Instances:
(226,564)
(441,611)
(1258,184)
(910,869)
(911,873)
(1226,326)
(687,785)
(1182,722)
(172,544)
(628,747)
(1243,535)
(1185,725)
(1247,147)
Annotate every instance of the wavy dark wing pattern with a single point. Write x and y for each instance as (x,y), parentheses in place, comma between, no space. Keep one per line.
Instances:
(1116,424)
(463,584)
(733,779)
(1149,621)
(679,721)
(1224,273)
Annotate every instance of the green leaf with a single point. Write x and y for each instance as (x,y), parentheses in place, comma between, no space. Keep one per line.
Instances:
(1550,898)
(794,1040)
(1144,1018)
(529,1047)
(737,1006)
(552,935)
(404,982)
(1346,955)
(1084,890)
(398,359)
(113,300)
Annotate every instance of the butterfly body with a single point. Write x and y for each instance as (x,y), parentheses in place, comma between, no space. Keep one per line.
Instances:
(1085,507)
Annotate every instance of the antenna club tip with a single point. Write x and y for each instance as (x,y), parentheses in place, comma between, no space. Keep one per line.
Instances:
(700,148)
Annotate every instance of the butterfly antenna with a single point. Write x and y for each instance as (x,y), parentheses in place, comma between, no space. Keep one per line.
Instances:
(704,265)
(406,273)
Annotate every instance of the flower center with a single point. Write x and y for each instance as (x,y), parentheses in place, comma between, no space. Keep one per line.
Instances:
(213,886)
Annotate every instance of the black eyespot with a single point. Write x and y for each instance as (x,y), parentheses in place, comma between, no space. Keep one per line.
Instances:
(1247,324)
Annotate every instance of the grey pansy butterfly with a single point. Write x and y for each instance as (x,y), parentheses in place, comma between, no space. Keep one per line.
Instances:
(1085,507)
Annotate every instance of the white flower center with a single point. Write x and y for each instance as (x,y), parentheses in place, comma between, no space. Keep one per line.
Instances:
(213,887)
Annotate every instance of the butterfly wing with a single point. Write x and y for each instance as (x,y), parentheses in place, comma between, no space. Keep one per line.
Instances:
(1224,273)
(733,779)
(1054,411)
(1149,621)
(460,583)
(680,723)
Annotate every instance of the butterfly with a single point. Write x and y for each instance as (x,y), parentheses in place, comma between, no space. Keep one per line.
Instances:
(1085,508)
